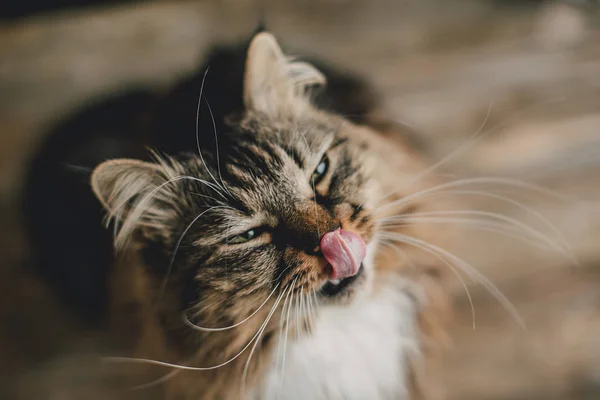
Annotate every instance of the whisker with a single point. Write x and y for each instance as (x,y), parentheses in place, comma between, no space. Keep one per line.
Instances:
(402,253)
(207,329)
(483,225)
(185,231)
(310,311)
(303,311)
(219,202)
(281,273)
(460,279)
(313,311)
(281,325)
(317,305)
(495,216)
(469,142)
(297,310)
(140,208)
(216,144)
(261,330)
(539,216)
(476,180)
(464,145)
(198,129)
(287,326)
(465,267)
(189,368)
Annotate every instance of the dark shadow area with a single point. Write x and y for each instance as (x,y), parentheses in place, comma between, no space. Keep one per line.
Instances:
(14,9)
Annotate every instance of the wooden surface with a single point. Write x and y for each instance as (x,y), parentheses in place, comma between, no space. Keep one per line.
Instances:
(442,67)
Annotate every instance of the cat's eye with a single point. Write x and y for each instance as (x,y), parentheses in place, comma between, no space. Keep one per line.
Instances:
(243,237)
(320,171)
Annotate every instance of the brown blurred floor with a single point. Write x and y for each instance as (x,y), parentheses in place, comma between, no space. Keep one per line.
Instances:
(439,65)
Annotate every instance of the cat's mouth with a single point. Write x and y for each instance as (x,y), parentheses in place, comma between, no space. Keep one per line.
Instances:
(335,287)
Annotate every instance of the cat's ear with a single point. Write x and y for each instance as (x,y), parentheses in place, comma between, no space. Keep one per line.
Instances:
(273,84)
(129,191)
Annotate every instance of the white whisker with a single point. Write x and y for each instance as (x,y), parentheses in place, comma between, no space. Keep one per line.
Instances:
(287,327)
(198,130)
(214,199)
(465,267)
(458,276)
(281,325)
(494,216)
(297,312)
(185,231)
(207,329)
(316,303)
(303,310)
(140,207)
(468,143)
(216,145)
(483,225)
(470,181)
(188,368)
(310,310)
(464,145)
(539,216)
(402,253)
(260,332)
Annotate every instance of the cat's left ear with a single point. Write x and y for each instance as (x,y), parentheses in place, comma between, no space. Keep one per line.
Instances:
(128,190)
(273,84)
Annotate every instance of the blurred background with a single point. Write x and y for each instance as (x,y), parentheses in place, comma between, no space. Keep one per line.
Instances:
(527,71)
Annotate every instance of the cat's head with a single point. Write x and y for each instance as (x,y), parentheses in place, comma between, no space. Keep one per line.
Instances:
(285,204)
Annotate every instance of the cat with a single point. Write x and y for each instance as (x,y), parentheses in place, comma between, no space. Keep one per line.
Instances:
(280,220)
(58,205)
(259,258)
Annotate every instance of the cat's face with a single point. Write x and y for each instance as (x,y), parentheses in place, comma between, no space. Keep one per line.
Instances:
(284,207)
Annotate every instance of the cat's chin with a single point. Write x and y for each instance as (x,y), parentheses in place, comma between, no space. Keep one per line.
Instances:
(335,287)
(344,291)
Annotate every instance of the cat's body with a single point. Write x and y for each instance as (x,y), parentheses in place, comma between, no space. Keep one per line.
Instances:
(272,236)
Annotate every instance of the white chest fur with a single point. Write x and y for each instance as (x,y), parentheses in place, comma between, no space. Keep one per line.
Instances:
(355,353)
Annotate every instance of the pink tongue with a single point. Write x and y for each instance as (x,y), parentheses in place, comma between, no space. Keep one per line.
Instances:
(345,251)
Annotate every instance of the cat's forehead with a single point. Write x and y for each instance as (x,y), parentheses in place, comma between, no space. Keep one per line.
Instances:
(309,132)
(265,164)
(268,167)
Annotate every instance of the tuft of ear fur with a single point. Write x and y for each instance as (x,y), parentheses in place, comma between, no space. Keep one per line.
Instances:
(273,84)
(129,191)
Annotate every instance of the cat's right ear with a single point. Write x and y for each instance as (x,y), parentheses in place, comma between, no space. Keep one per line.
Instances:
(129,191)
(274,84)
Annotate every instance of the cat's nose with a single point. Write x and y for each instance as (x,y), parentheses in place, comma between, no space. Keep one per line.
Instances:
(344,251)
(302,227)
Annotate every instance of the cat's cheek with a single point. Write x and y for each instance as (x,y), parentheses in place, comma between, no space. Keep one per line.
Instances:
(369,261)
(369,268)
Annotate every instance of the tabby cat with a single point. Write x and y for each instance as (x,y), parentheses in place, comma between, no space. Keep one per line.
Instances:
(261,261)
